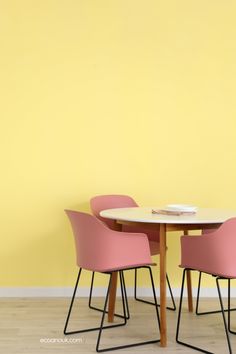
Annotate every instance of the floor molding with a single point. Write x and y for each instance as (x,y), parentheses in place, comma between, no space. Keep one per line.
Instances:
(98,291)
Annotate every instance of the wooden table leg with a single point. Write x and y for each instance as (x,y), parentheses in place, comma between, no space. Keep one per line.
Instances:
(189,287)
(112,293)
(112,297)
(163,285)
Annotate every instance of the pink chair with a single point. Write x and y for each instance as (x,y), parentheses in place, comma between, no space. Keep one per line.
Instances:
(214,254)
(199,313)
(102,202)
(204,232)
(100,249)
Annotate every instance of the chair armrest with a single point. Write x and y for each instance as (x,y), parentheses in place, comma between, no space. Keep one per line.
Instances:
(127,249)
(212,253)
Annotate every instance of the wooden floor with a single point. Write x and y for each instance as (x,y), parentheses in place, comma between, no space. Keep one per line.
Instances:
(35,326)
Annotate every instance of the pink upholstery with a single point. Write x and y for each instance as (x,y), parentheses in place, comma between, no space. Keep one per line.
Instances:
(207,231)
(102,202)
(99,248)
(213,253)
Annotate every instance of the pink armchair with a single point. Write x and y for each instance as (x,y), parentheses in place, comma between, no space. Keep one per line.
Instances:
(102,202)
(214,254)
(100,249)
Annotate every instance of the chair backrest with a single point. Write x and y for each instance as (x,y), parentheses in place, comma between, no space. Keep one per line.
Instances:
(87,246)
(111,201)
(102,202)
(99,248)
(224,246)
(212,252)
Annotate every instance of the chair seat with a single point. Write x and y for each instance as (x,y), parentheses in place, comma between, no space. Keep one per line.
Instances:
(115,269)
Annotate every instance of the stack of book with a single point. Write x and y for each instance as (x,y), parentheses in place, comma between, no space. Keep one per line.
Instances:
(176,209)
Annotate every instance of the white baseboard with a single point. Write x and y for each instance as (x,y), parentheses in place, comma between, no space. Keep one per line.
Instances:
(98,292)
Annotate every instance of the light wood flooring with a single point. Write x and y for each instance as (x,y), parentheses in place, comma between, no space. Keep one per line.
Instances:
(35,325)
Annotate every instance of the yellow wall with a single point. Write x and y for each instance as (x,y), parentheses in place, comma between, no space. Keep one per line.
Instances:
(109,96)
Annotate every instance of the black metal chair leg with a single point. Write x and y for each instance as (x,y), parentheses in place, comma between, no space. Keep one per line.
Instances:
(72,302)
(223,315)
(102,320)
(91,291)
(198,298)
(179,318)
(150,302)
(198,293)
(124,312)
(229,309)
(125,295)
(135,284)
(171,295)
(100,309)
(88,329)
(154,296)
